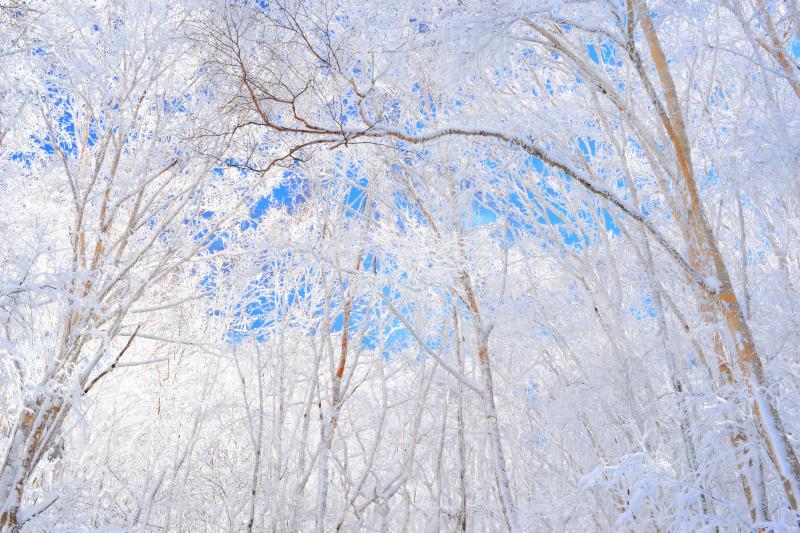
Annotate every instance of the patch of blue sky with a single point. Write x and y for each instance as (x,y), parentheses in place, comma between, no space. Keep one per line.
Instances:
(368,327)
(645,311)
(349,106)
(68,143)
(747,201)
(260,309)
(481,214)
(61,107)
(719,98)
(547,207)
(592,215)
(376,326)
(533,391)
(520,213)
(403,206)
(208,283)
(535,163)
(395,339)
(610,225)
(212,242)
(691,360)
(428,108)
(264,303)
(357,70)
(548,86)
(371,262)
(592,51)
(710,179)
(648,305)
(588,147)
(355,202)
(633,144)
(289,194)
(26,158)
(608,53)
(175,104)
(392,112)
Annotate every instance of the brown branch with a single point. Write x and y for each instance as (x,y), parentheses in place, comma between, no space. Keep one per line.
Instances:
(115,363)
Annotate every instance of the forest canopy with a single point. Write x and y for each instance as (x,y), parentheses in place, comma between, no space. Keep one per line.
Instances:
(317,265)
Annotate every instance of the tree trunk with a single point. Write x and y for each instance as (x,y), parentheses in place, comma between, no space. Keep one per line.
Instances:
(33,431)
(707,259)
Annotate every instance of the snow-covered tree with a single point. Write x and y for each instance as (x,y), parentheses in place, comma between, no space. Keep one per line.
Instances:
(310,265)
